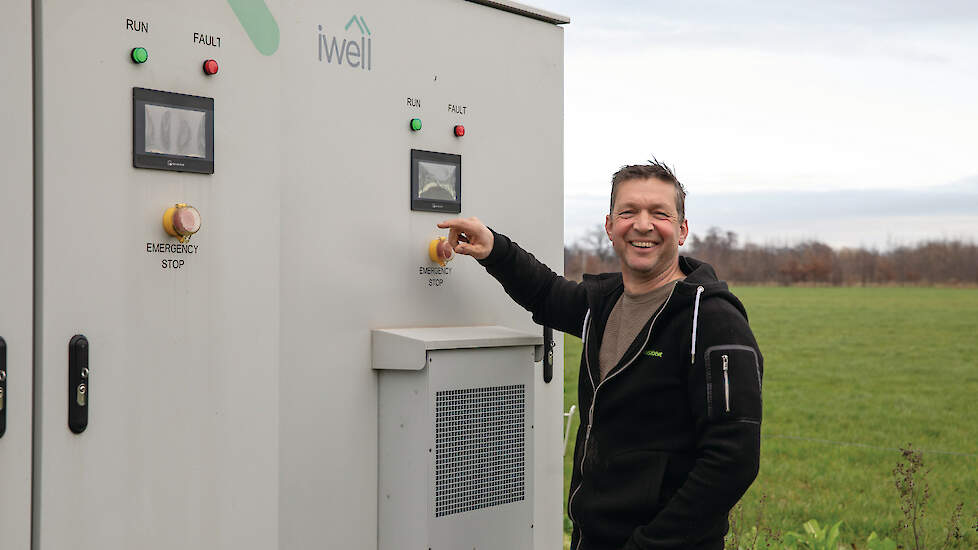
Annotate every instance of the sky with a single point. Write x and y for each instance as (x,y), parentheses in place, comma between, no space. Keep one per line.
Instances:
(851,122)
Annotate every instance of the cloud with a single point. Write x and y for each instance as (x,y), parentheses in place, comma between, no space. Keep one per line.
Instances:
(872,28)
(772,109)
(809,12)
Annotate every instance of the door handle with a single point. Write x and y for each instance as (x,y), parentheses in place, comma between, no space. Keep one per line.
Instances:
(3,386)
(79,386)
(548,354)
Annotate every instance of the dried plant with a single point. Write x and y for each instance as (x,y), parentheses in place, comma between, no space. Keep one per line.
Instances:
(911,482)
(757,536)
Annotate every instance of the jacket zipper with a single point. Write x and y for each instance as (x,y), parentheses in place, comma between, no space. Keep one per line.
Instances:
(594,399)
(587,365)
(726,383)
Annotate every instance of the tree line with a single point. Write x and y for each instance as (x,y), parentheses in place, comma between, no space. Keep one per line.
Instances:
(934,262)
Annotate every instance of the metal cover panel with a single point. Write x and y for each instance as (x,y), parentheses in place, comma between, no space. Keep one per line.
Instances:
(354,256)
(181,447)
(491,502)
(456,451)
(16,269)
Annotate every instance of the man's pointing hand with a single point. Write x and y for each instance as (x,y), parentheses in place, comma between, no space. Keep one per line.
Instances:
(469,236)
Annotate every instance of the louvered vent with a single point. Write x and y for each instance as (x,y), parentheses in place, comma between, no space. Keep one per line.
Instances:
(480,448)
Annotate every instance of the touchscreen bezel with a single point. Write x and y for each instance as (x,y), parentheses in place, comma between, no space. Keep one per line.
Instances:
(433,205)
(160,161)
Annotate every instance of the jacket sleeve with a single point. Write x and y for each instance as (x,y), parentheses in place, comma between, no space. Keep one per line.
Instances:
(724,387)
(553,300)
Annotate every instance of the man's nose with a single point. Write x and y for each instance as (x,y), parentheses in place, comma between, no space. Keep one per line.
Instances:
(644,222)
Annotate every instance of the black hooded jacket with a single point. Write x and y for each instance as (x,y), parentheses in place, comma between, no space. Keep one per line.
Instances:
(670,440)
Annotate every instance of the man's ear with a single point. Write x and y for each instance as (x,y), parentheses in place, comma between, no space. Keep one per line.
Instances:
(607,227)
(683,232)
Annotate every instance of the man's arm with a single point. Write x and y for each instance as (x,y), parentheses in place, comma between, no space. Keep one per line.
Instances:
(553,300)
(724,387)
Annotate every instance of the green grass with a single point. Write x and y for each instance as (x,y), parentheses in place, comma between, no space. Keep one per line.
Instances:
(851,375)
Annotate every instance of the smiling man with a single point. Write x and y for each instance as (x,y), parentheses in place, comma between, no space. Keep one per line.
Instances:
(670,377)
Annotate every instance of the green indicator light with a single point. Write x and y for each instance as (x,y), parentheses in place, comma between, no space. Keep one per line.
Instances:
(139,55)
(415,124)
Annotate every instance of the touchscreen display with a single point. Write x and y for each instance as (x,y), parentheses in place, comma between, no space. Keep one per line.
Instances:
(437,181)
(175,131)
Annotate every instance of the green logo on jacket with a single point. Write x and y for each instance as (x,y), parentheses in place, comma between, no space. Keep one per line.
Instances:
(653,353)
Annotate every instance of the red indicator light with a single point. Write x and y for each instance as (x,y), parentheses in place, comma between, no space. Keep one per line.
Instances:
(210,67)
(460,130)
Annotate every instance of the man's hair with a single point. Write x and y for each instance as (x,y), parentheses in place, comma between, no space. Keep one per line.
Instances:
(654,169)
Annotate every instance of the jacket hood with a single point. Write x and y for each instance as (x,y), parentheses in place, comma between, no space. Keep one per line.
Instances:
(698,273)
(701,284)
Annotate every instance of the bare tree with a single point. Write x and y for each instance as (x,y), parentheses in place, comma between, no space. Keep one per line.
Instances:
(811,262)
(596,240)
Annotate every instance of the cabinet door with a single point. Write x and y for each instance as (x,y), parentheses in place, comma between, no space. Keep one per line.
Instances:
(16,259)
(181,393)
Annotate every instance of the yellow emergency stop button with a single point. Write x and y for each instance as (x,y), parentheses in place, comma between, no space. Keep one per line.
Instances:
(181,221)
(440,251)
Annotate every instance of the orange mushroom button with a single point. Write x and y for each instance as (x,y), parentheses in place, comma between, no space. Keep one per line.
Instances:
(181,221)
(440,251)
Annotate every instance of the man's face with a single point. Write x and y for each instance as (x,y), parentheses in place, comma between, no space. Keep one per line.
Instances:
(644,227)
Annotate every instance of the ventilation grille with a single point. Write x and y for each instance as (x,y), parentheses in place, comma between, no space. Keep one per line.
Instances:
(480,448)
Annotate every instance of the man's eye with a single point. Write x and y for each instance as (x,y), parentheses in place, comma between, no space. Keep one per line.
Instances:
(625,213)
(662,215)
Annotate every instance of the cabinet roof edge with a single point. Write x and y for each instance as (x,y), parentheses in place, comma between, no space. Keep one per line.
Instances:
(524,10)
(406,348)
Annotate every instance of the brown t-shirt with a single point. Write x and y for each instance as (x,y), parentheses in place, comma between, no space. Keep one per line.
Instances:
(627,319)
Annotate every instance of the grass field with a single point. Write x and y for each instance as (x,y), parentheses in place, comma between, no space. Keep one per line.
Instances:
(851,375)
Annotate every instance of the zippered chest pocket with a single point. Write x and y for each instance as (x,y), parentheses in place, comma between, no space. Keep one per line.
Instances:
(733,383)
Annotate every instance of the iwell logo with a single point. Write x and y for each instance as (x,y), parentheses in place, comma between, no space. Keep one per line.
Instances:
(355,51)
